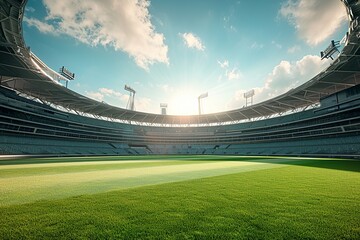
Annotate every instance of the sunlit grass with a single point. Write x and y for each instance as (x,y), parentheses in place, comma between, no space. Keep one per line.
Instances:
(22,183)
(214,197)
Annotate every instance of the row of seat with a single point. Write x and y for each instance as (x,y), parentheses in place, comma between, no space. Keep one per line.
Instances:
(329,146)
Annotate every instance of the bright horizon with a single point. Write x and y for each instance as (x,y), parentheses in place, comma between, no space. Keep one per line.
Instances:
(173,51)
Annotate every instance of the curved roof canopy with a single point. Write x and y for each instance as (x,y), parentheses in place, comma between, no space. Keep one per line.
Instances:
(24,72)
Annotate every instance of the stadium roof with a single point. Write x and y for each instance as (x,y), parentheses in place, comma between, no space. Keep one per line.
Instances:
(23,71)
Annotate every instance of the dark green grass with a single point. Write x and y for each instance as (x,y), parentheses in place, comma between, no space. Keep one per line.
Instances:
(307,199)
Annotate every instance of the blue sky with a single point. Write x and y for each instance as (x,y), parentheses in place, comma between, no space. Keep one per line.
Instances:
(172,51)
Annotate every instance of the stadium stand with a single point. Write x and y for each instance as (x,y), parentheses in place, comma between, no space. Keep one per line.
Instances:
(319,118)
(31,128)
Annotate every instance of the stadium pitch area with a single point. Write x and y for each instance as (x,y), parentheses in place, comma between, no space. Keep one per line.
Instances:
(180,197)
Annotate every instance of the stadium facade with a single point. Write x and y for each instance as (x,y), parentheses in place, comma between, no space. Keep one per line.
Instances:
(40,116)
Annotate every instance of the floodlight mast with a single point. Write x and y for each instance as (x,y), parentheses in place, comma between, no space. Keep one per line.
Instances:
(66,74)
(204,95)
(249,97)
(163,107)
(330,50)
(131,103)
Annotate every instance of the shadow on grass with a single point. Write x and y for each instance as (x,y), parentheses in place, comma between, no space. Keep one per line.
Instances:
(352,165)
(343,164)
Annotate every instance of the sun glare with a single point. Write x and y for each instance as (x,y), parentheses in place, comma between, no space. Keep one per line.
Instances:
(184,103)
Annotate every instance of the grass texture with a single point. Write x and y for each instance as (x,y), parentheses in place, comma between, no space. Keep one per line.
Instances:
(180,197)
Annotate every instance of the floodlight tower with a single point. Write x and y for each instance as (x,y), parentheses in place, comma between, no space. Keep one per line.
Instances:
(163,107)
(204,95)
(67,74)
(130,105)
(331,50)
(249,97)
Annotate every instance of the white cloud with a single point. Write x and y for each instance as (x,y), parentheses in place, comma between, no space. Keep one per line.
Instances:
(95,95)
(143,104)
(123,24)
(256,45)
(277,45)
(233,74)
(233,28)
(113,94)
(314,20)
(109,96)
(229,74)
(41,26)
(115,98)
(294,49)
(224,64)
(29,9)
(167,88)
(285,76)
(228,21)
(192,41)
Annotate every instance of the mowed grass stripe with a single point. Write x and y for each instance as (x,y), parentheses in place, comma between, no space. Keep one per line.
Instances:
(28,167)
(56,168)
(24,160)
(16,190)
(75,163)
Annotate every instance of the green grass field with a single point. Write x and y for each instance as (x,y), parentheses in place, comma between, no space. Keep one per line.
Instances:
(180,197)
